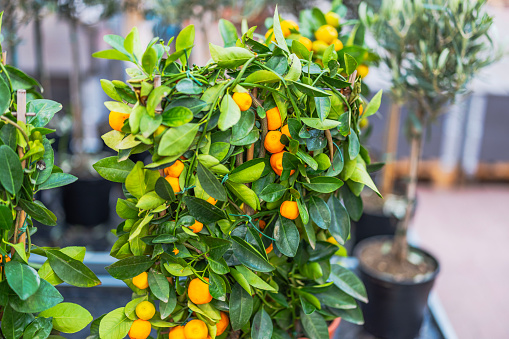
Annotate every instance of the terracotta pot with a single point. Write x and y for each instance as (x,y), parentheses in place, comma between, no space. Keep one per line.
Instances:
(332,327)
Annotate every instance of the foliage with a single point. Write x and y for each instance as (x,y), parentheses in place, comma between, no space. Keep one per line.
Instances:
(24,289)
(272,274)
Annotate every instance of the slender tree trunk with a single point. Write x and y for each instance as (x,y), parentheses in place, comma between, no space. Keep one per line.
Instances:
(400,246)
(41,71)
(391,148)
(74,86)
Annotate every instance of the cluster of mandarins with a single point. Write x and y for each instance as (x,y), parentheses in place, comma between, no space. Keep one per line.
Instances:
(325,36)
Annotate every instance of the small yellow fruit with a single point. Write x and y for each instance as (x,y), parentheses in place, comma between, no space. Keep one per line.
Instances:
(306,42)
(175,169)
(332,240)
(270,33)
(362,70)
(364,123)
(141,281)
(319,46)
(338,45)
(177,333)
(198,292)
(332,19)
(243,100)
(145,310)
(140,329)
(287,26)
(196,329)
(327,34)
(160,130)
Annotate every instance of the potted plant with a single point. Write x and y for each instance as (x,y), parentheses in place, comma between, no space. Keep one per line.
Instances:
(30,305)
(228,232)
(433,48)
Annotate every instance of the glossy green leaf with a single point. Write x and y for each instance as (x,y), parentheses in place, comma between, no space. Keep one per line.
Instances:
(353,315)
(37,211)
(348,282)
(210,184)
(249,256)
(115,325)
(149,60)
(278,33)
(263,76)
(177,140)
(22,278)
(203,211)
(319,124)
(244,193)
(353,204)
(261,328)
(149,201)
(44,111)
(350,63)
(255,280)
(159,285)
(373,105)
(273,192)
(217,286)
(14,323)
(319,212)
(113,170)
(323,184)
(11,172)
(40,328)
(155,98)
(185,41)
(340,221)
(314,325)
(58,180)
(361,175)
(248,172)
(287,236)
(241,307)
(6,220)
(177,116)
(323,107)
(231,57)
(68,317)
(228,32)
(44,298)
(310,90)
(354,145)
(167,308)
(70,270)
(129,267)
(230,113)
(111,54)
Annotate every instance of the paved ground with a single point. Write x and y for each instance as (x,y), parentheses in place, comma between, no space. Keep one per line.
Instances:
(468,230)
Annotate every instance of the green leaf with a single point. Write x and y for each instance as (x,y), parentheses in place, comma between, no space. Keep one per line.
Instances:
(319,212)
(373,105)
(126,209)
(249,256)
(177,140)
(135,181)
(348,282)
(354,145)
(40,328)
(350,64)
(45,297)
(14,323)
(5,217)
(261,328)
(255,280)
(111,54)
(177,116)
(155,98)
(295,68)
(164,190)
(115,325)
(149,60)
(231,57)
(323,106)
(353,204)
(323,184)
(310,90)
(129,267)
(22,278)
(185,41)
(166,309)
(11,172)
(340,221)
(132,43)
(329,54)
(321,125)
(262,76)
(47,273)
(278,33)
(287,236)
(58,180)
(353,315)
(241,307)
(5,95)
(307,159)
(361,175)
(130,307)
(248,172)
(210,184)
(203,211)
(244,193)
(37,211)
(149,201)
(44,111)
(314,325)
(113,170)
(217,286)
(273,192)
(118,107)
(228,33)
(70,270)
(159,286)
(230,113)
(336,298)
(68,317)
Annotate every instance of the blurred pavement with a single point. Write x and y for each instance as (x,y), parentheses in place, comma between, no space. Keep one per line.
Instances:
(468,230)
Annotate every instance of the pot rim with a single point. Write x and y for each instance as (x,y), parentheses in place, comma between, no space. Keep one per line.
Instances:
(374,274)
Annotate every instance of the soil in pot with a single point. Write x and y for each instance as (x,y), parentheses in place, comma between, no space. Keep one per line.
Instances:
(397,291)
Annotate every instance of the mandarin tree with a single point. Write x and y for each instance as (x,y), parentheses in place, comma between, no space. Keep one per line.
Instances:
(236,244)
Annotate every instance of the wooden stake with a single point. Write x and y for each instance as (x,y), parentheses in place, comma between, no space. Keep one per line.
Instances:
(4,58)
(21,116)
(391,149)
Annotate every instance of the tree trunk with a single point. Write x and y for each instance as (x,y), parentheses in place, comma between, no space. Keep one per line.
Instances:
(400,246)
(391,149)
(41,71)
(74,87)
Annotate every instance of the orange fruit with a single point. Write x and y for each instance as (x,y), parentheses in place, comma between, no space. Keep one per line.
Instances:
(174,183)
(7,259)
(306,42)
(176,251)
(198,292)
(222,325)
(270,33)
(177,333)
(196,329)
(117,119)
(326,33)
(243,100)
(287,26)
(273,119)
(141,281)
(145,310)
(269,249)
(276,162)
(175,169)
(361,110)
(262,224)
(160,130)
(319,46)
(338,45)
(211,200)
(273,143)
(286,131)
(289,210)
(196,227)
(362,70)
(140,329)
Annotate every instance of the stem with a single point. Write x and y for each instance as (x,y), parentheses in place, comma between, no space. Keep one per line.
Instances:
(400,246)
(391,149)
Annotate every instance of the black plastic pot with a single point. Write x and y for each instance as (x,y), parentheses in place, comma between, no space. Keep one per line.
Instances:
(86,202)
(373,224)
(395,309)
